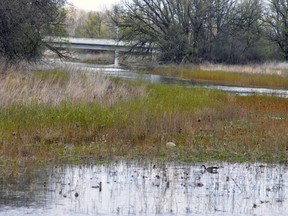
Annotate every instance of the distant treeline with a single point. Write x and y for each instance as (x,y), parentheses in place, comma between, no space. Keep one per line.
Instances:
(227,31)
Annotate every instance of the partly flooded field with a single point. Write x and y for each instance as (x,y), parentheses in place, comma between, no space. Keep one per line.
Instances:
(112,71)
(148,188)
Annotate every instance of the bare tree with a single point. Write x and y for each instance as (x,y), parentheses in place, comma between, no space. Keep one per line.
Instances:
(246,31)
(95,25)
(277,19)
(194,30)
(25,24)
(175,27)
(218,30)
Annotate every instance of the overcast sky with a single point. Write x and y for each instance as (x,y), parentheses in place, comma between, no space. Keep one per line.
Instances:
(95,5)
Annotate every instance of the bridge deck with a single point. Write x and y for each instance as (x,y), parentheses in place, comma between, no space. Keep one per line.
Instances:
(90,43)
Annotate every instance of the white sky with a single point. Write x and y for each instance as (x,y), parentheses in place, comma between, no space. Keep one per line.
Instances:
(93,5)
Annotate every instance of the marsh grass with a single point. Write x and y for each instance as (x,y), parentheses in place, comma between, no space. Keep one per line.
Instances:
(268,75)
(57,86)
(268,68)
(60,117)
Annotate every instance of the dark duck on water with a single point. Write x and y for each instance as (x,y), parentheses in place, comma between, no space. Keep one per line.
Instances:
(210,169)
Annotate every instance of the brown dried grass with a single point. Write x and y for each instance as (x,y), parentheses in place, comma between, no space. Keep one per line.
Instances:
(268,68)
(57,86)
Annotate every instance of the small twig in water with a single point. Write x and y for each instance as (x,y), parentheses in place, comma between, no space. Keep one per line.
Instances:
(236,184)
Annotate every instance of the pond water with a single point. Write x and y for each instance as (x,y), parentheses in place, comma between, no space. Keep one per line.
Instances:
(149,188)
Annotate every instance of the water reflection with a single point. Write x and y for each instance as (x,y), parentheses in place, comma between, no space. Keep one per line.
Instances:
(134,188)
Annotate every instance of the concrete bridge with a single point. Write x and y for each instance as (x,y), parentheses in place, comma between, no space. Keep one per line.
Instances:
(92,44)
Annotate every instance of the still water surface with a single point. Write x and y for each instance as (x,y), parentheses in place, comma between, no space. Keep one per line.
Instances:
(137,188)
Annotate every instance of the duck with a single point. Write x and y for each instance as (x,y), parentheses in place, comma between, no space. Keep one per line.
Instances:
(210,169)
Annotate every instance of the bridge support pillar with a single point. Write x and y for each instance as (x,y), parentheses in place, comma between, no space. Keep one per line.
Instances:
(116,58)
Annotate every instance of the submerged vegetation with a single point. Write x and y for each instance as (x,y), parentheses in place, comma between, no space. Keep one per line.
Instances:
(59,117)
